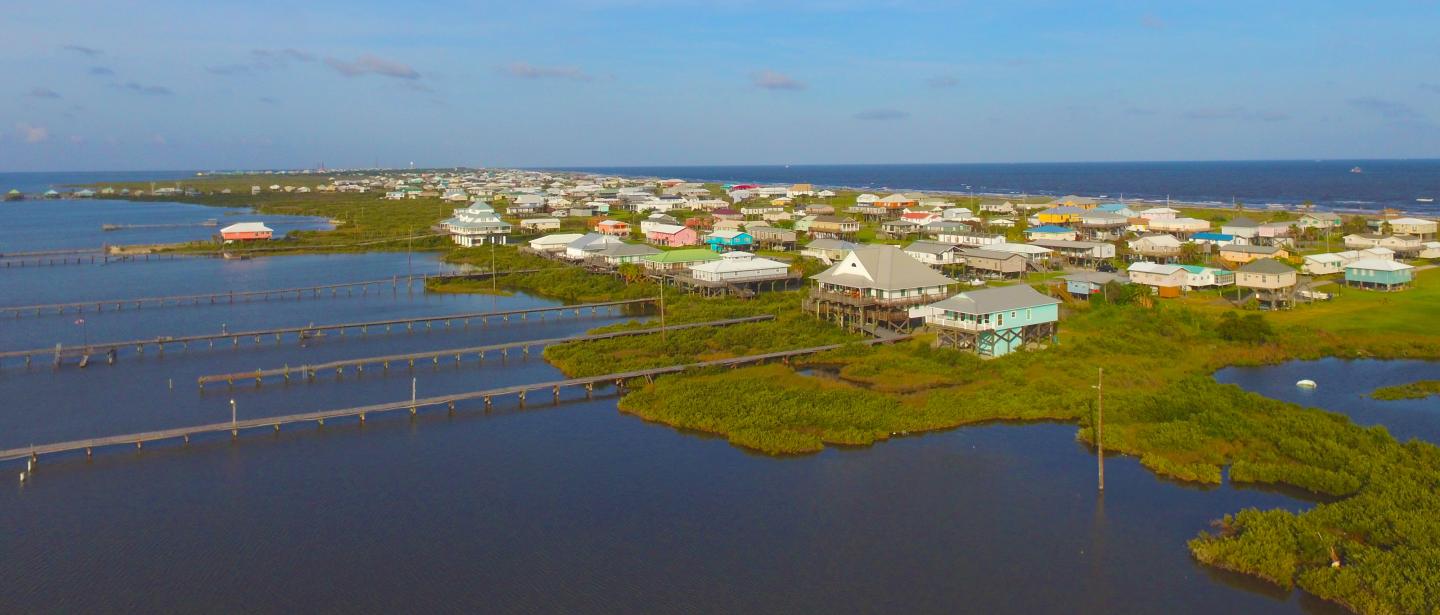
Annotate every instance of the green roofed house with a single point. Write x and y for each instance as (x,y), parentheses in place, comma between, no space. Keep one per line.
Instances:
(1379,274)
(678,260)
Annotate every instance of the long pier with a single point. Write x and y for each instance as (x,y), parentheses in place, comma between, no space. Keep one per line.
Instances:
(309,372)
(521,391)
(110,349)
(56,252)
(87,258)
(228,297)
(211,223)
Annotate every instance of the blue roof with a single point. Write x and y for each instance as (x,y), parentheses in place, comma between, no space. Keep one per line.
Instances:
(1110,206)
(1214,236)
(1049,228)
(1202,269)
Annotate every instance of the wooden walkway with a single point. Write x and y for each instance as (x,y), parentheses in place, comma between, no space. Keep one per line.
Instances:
(309,372)
(16,262)
(228,297)
(111,349)
(211,223)
(520,391)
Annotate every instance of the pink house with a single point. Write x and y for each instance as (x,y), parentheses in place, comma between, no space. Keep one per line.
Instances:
(672,235)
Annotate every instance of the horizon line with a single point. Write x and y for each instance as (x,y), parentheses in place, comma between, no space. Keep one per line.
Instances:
(721,165)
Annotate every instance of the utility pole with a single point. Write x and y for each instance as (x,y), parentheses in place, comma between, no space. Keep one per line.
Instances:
(234,428)
(1100,426)
(663,337)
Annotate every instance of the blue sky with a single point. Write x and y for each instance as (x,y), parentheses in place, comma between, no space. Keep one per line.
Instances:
(159,84)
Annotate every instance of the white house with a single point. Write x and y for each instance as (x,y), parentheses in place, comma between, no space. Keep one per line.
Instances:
(935,253)
(540,224)
(739,267)
(971,240)
(553,244)
(1180,226)
(1158,275)
(587,244)
(1424,229)
(1160,213)
(475,225)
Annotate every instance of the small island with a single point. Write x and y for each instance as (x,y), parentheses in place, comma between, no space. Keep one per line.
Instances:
(1414,390)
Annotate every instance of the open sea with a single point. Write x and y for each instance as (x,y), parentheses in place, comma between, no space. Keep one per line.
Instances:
(1329,184)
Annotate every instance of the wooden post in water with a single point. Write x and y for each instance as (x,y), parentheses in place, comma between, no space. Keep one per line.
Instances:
(1100,425)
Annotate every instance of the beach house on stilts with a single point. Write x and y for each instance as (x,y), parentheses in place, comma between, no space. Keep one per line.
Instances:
(874,288)
(994,321)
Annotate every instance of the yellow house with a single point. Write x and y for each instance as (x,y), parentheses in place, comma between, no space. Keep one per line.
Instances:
(1063,214)
(1240,254)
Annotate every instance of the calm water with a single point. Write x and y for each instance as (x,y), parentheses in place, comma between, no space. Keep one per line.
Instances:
(1345,386)
(1329,183)
(67,224)
(566,508)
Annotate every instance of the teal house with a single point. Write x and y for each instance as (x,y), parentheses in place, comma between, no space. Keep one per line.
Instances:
(729,241)
(1379,274)
(994,322)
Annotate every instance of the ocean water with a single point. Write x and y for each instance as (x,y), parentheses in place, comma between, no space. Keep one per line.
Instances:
(1327,183)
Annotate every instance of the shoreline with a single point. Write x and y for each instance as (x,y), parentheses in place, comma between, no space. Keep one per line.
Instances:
(1271,205)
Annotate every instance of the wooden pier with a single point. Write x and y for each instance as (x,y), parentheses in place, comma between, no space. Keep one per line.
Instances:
(228,297)
(309,372)
(97,258)
(211,223)
(111,349)
(520,391)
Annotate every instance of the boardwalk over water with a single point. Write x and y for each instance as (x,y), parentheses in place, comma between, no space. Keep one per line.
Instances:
(89,257)
(310,371)
(234,427)
(111,349)
(230,296)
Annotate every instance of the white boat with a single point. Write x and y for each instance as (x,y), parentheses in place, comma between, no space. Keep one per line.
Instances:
(1356,170)
(1306,384)
(1424,199)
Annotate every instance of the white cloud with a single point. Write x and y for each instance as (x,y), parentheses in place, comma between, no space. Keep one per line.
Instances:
(31,133)
(372,65)
(525,70)
(771,80)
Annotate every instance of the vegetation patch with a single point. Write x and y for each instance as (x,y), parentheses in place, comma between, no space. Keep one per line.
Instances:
(1414,390)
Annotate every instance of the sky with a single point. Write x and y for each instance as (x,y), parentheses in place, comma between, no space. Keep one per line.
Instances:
(164,84)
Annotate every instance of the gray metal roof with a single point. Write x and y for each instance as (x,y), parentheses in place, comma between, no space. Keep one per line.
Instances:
(995,254)
(825,243)
(930,247)
(991,300)
(887,267)
(1247,249)
(1095,277)
(1266,265)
